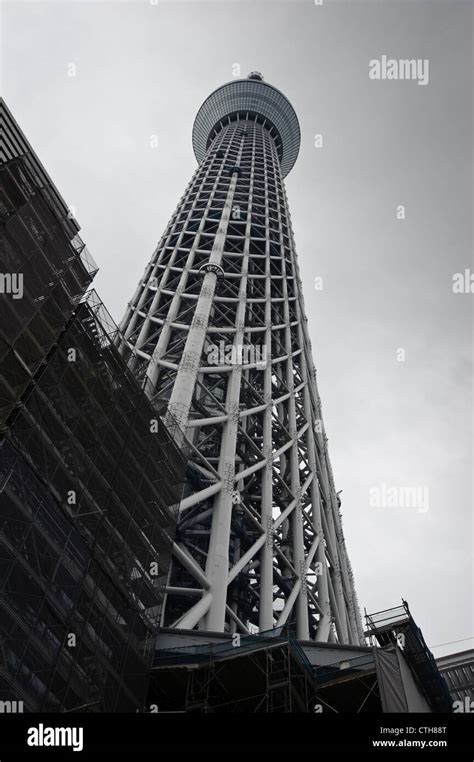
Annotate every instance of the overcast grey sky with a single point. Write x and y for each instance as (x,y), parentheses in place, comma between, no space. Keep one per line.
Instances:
(143,69)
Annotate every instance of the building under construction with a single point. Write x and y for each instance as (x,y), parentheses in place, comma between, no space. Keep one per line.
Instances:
(89,476)
(275,672)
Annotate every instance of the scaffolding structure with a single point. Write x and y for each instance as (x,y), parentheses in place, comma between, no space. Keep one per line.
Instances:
(90,478)
(266,673)
(80,459)
(396,628)
(39,243)
(271,672)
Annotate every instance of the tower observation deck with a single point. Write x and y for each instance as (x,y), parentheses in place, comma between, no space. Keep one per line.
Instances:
(219,337)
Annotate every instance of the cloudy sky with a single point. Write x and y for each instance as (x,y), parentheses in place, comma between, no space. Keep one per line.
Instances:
(90,82)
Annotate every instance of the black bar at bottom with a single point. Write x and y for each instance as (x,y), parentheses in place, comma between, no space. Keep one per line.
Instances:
(90,736)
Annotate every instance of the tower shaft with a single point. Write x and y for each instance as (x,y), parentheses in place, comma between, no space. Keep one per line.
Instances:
(219,335)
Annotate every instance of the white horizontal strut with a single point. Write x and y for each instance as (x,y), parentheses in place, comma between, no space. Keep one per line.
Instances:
(218,328)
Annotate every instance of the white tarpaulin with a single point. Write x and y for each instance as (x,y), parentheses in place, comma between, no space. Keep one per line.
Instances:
(399,691)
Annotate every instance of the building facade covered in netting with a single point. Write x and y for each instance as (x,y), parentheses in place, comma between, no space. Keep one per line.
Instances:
(90,478)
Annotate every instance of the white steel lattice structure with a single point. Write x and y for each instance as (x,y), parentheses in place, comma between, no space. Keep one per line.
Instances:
(219,335)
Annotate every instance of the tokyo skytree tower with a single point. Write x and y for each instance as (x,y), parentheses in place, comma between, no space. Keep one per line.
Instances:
(218,333)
